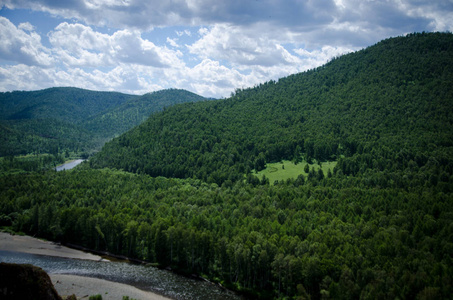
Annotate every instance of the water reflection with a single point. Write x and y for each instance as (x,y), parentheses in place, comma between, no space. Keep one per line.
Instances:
(69,165)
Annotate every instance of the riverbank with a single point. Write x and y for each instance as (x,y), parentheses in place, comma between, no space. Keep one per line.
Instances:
(28,244)
(83,287)
(67,285)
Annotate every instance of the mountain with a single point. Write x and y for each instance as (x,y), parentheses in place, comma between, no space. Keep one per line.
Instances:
(368,216)
(378,108)
(52,136)
(133,112)
(71,105)
(47,120)
(59,119)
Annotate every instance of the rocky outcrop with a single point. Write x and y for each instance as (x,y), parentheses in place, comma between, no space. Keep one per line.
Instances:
(20,282)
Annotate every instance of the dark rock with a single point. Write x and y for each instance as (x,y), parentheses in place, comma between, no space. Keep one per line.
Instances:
(25,282)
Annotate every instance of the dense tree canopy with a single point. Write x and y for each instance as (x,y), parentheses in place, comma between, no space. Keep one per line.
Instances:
(72,105)
(342,237)
(75,119)
(378,225)
(128,115)
(391,99)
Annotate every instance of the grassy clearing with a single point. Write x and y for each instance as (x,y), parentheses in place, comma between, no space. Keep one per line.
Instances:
(287,169)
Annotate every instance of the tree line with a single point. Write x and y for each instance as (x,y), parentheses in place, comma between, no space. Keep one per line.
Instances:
(331,238)
(75,120)
(389,98)
(376,226)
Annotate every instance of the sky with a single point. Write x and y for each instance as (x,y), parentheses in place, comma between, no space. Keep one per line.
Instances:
(209,47)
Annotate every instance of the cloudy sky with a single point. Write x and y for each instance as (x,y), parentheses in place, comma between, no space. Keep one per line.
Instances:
(210,47)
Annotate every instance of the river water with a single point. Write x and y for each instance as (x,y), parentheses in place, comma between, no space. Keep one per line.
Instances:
(69,165)
(145,278)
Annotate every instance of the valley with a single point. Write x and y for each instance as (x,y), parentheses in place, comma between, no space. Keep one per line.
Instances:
(77,121)
(334,183)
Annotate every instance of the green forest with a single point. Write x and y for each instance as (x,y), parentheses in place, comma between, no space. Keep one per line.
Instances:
(58,120)
(363,109)
(368,216)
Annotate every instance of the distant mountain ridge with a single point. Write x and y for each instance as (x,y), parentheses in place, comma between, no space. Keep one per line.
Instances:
(75,119)
(362,109)
(366,211)
(68,104)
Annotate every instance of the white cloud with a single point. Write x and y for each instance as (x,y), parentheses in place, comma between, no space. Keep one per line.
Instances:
(172,42)
(289,15)
(22,77)
(129,47)
(203,31)
(26,26)
(80,45)
(208,78)
(240,47)
(125,79)
(439,14)
(183,32)
(255,60)
(316,58)
(74,37)
(229,44)
(20,46)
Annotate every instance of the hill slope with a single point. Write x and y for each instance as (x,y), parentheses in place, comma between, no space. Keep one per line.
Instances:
(133,112)
(378,227)
(47,120)
(71,105)
(59,119)
(378,108)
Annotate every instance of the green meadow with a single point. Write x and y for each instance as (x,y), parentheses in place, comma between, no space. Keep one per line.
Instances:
(289,170)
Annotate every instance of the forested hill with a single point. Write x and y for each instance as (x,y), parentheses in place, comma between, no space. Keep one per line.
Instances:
(379,225)
(380,109)
(59,119)
(65,104)
(127,115)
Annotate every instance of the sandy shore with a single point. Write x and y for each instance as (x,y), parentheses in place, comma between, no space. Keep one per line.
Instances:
(66,285)
(83,287)
(28,244)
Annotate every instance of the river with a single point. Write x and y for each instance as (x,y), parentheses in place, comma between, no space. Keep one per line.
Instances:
(145,278)
(69,165)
